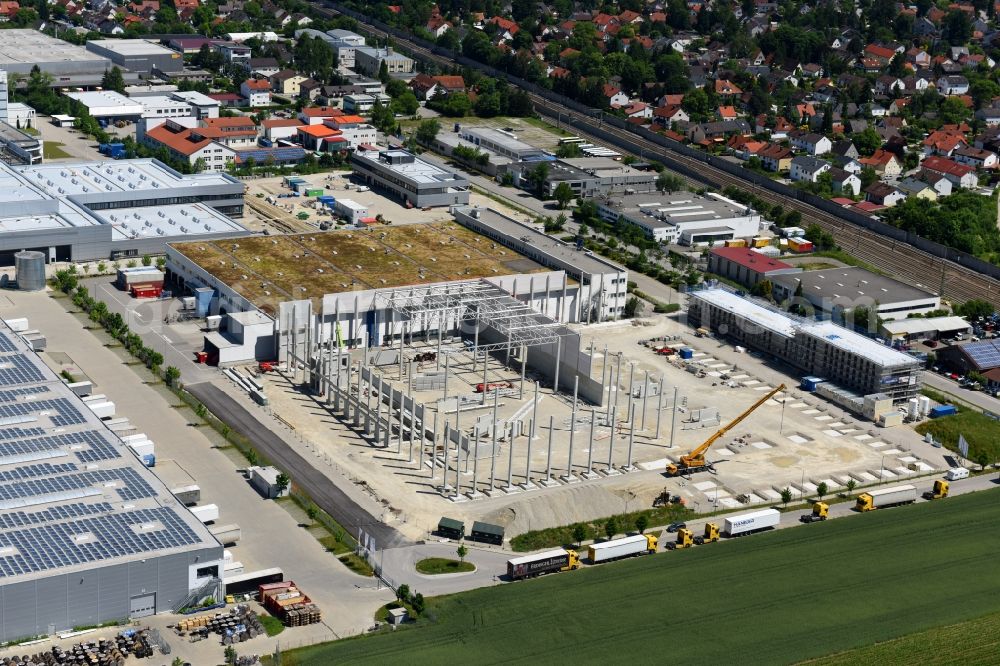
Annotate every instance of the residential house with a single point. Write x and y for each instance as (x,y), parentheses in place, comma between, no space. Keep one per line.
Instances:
(672,113)
(613,95)
(807,169)
(717,131)
(287,82)
(989,116)
(8,8)
(976,158)
(917,189)
(954,84)
(960,175)
(727,90)
(637,110)
(317,115)
(844,148)
(848,164)
(506,29)
(887,85)
(262,67)
(238,132)
(944,142)
(844,182)
(257,92)
(883,195)
(884,163)
(310,89)
(941,185)
(881,54)
(776,158)
(190,145)
(811,142)
(280,128)
(918,57)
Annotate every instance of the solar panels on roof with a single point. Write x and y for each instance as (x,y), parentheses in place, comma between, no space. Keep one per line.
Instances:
(985,353)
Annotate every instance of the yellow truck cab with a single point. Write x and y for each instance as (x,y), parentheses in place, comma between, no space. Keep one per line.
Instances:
(939,491)
(573,561)
(651,543)
(711,534)
(865,502)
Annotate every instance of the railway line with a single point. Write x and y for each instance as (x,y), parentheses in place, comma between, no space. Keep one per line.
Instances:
(951,280)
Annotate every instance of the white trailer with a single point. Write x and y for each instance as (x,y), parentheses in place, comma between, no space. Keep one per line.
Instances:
(18,325)
(102,410)
(956,473)
(627,547)
(748,523)
(880,499)
(232,568)
(207,513)
(226,534)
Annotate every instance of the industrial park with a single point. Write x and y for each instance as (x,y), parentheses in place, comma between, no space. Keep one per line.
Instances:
(302,340)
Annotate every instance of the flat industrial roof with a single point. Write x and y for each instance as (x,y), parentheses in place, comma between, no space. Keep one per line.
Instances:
(132,47)
(22,48)
(72,495)
(417,170)
(853,283)
(96,99)
(266,269)
(857,344)
(114,176)
(925,325)
(742,307)
(676,209)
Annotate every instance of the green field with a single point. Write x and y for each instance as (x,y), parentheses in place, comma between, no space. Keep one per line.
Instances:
(968,643)
(982,432)
(773,598)
(52,150)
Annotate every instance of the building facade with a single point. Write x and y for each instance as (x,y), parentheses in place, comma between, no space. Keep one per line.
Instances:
(410,179)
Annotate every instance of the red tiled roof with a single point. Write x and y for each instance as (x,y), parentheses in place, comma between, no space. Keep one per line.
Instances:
(257,84)
(280,122)
(180,141)
(321,112)
(318,131)
(747,258)
(240,122)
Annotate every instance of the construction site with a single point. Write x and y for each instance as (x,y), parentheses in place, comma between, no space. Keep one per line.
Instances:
(476,430)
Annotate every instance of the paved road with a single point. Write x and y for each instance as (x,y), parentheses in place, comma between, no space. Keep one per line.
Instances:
(975,398)
(400,563)
(318,486)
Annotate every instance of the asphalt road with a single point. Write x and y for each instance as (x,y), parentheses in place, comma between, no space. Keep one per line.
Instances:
(318,486)
(400,565)
(976,398)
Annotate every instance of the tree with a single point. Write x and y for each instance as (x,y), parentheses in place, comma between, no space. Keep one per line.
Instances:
(383,72)
(172,375)
(230,655)
(403,593)
(147,260)
(821,490)
(405,104)
(850,485)
(417,603)
(641,522)
(631,307)
(461,551)
(670,182)
(982,460)
(974,309)
(868,141)
(763,289)
(113,80)
(282,482)
(786,496)
(579,533)
(611,527)
(563,194)
(428,130)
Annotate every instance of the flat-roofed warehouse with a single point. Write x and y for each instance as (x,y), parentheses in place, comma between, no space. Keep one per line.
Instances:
(105,210)
(87,533)
(832,291)
(137,55)
(687,218)
(23,48)
(408,178)
(348,278)
(818,348)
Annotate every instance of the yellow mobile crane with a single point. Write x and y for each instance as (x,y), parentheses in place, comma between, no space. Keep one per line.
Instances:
(695,461)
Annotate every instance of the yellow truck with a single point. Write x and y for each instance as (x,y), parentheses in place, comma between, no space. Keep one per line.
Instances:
(939,491)
(820,512)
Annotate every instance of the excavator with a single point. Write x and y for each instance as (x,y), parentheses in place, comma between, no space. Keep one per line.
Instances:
(695,461)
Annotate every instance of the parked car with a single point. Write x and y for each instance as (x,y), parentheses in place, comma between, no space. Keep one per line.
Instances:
(931,343)
(673,527)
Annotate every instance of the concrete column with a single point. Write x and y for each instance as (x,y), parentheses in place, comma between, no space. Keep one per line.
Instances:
(409,377)
(645,397)
(534,414)
(562,302)
(611,440)
(510,461)
(475,340)
(545,307)
(555,380)
(440,325)
(673,419)
(659,408)
(402,338)
(527,466)
(458,463)
(378,415)
(548,462)
(524,365)
(631,440)
(618,378)
(475,461)
(447,366)
(444,460)
(631,382)
(486,363)
(493,440)
(433,445)
(368,410)
(413,425)
(590,447)
(357,399)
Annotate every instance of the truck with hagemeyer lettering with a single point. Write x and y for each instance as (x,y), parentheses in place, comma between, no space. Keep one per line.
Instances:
(550,561)
(749,523)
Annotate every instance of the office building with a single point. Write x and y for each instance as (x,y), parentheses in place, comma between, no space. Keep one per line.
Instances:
(410,179)
(683,218)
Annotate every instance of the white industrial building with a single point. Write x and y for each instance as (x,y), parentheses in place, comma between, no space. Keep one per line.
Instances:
(109,105)
(104,210)
(346,281)
(88,534)
(683,218)
(835,291)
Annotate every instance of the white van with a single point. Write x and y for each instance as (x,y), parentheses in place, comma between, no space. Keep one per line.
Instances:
(956,473)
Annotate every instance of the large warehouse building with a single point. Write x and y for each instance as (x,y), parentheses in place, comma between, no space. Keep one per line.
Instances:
(818,348)
(23,48)
(410,179)
(106,210)
(137,55)
(686,218)
(89,534)
(348,278)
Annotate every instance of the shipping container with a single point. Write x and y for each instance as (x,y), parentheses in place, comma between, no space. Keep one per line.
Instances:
(146,292)
(314,192)
(542,563)
(227,534)
(487,533)
(686,353)
(143,448)
(351,211)
(187,495)
(811,383)
(250,581)
(736,242)
(748,523)
(103,410)
(878,499)
(18,325)
(206,513)
(450,528)
(761,241)
(799,245)
(640,544)
(81,389)
(942,410)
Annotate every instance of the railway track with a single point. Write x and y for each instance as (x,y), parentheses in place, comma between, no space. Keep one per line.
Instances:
(905,262)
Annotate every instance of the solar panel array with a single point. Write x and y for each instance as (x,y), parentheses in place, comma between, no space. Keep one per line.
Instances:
(133,486)
(52,514)
(6,345)
(99,449)
(66,412)
(31,471)
(985,353)
(52,546)
(11,395)
(17,369)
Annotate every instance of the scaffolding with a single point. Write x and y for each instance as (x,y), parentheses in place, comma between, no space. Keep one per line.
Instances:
(480,302)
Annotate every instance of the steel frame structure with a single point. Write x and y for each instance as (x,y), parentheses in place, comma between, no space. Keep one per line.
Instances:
(477,301)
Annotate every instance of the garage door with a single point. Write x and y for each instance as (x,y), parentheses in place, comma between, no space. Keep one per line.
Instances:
(142,606)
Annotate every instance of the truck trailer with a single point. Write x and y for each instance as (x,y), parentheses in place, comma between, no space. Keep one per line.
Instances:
(550,561)
(206,513)
(187,495)
(640,544)
(880,499)
(748,523)
(226,534)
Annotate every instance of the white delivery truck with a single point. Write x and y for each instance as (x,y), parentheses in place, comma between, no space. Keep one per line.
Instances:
(207,513)
(748,523)
(640,544)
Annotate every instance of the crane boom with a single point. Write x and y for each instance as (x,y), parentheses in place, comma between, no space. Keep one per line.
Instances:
(695,460)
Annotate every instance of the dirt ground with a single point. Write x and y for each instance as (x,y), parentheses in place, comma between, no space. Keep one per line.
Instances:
(795,439)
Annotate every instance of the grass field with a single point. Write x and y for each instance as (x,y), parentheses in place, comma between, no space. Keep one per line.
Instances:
(968,643)
(52,150)
(773,598)
(433,566)
(982,432)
